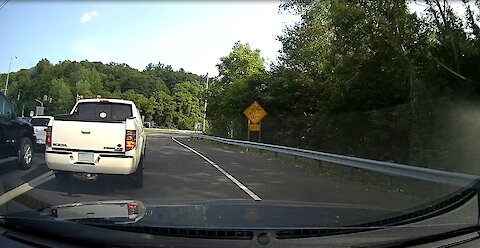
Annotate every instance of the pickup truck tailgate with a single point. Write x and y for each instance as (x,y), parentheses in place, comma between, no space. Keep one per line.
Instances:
(40,133)
(91,136)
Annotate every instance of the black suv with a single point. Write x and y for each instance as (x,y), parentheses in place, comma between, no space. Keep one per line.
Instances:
(16,135)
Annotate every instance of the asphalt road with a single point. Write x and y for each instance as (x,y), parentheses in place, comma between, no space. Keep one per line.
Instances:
(182,169)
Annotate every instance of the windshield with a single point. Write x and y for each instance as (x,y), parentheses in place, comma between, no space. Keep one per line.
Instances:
(39,121)
(274,117)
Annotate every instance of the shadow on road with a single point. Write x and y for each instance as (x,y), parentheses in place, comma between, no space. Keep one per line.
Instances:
(8,165)
(74,187)
(38,168)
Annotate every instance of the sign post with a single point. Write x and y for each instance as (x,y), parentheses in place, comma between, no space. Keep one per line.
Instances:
(255,113)
(248,132)
(259,132)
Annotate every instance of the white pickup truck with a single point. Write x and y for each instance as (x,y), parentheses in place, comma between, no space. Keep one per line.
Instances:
(98,137)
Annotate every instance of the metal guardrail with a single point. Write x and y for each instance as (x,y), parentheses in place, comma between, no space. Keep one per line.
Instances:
(388,168)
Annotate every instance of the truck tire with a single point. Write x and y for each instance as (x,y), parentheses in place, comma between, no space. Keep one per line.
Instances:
(137,176)
(25,154)
(143,163)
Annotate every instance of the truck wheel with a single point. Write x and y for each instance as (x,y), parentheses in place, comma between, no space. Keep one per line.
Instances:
(137,176)
(25,154)
(143,163)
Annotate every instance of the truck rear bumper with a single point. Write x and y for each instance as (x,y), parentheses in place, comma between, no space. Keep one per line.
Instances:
(102,163)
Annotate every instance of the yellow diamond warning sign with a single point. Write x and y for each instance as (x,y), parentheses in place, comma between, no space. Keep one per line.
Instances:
(255,113)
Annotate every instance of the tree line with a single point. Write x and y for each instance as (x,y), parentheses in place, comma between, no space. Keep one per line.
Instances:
(168,98)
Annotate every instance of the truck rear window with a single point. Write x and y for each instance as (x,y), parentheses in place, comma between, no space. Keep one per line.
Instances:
(39,121)
(103,111)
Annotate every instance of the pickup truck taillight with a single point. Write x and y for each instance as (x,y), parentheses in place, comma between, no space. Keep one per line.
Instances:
(48,137)
(132,209)
(130,140)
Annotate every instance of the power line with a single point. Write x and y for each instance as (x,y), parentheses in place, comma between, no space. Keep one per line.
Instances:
(3,4)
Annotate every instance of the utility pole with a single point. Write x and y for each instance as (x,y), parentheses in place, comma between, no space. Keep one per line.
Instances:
(8,74)
(205,109)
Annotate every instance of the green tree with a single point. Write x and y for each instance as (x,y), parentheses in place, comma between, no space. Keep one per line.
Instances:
(157,102)
(188,105)
(170,77)
(165,111)
(147,107)
(360,55)
(240,64)
(62,97)
(89,82)
(240,77)
(83,88)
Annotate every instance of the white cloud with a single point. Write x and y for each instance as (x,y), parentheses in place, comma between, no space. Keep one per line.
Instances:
(87,16)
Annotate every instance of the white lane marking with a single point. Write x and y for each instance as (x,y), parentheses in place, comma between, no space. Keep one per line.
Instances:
(233,179)
(11,194)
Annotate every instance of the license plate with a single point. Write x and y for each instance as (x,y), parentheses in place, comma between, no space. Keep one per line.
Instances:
(85,157)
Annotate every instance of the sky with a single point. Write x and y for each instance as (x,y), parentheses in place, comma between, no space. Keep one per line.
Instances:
(192,35)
